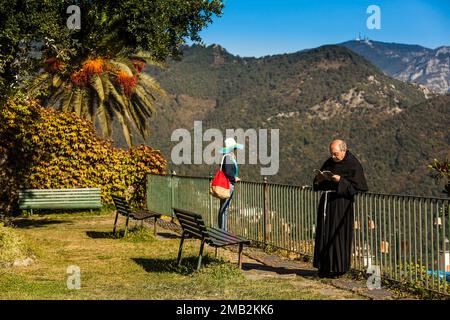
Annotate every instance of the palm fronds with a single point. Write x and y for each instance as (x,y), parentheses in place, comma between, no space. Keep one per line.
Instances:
(101,90)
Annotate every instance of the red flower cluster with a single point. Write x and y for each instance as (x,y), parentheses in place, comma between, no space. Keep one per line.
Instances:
(127,82)
(79,78)
(54,65)
(93,66)
(90,68)
(138,65)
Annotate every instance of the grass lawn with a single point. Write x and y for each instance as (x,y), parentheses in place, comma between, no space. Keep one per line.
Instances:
(138,267)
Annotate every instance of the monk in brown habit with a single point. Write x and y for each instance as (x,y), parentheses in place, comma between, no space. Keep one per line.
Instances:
(334,232)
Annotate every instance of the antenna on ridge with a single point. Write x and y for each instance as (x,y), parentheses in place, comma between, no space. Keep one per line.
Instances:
(359,37)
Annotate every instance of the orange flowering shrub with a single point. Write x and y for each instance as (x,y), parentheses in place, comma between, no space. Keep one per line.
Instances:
(43,148)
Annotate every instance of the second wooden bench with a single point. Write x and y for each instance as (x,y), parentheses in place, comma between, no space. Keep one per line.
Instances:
(123,208)
(194,227)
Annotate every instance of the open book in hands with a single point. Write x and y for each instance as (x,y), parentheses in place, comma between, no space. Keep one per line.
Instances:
(323,175)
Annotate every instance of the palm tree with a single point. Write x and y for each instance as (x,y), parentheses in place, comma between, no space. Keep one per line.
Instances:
(101,90)
(442,170)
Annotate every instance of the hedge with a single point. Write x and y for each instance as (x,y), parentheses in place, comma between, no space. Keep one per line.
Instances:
(42,148)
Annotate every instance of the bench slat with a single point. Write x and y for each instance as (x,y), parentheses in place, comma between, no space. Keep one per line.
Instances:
(144,214)
(61,199)
(219,243)
(188,218)
(59,206)
(226,235)
(188,213)
(61,190)
(222,242)
(78,198)
(59,196)
(194,224)
(122,207)
(223,237)
(195,232)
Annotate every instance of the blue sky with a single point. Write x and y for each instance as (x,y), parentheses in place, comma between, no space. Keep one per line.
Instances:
(265,27)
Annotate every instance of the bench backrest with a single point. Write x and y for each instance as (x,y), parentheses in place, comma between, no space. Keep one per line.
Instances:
(121,205)
(192,223)
(85,198)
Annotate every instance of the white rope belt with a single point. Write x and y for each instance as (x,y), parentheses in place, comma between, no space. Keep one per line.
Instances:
(325,204)
(325,213)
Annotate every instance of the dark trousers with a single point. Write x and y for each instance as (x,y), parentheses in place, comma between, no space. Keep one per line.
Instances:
(223,211)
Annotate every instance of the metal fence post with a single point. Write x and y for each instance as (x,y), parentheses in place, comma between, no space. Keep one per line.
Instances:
(211,219)
(266,210)
(171,195)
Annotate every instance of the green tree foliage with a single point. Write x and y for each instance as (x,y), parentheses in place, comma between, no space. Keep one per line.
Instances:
(42,148)
(122,34)
(395,137)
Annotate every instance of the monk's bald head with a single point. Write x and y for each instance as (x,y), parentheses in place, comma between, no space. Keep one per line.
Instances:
(338,148)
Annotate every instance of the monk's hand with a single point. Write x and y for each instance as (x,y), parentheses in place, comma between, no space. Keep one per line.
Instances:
(237,179)
(336,178)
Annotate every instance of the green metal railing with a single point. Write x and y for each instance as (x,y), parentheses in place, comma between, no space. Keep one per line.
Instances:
(406,237)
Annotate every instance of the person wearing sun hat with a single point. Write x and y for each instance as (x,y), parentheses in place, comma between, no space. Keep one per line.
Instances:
(230,169)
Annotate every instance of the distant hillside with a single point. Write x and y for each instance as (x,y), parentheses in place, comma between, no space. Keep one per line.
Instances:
(312,97)
(431,70)
(412,63)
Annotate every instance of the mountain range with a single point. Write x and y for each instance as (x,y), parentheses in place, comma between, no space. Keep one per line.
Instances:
(412,63)
(312,96)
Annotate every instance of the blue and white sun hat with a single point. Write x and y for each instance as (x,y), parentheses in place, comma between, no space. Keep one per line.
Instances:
(230,145)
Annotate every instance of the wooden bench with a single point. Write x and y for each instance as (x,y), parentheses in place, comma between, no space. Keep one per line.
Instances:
(194,227)
(123,208)
(85,198)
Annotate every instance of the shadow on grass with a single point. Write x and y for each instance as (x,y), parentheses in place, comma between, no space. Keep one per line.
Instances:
(105,234)
(32,223)
(306,273)
(167,235)
(188,265)
(137,234)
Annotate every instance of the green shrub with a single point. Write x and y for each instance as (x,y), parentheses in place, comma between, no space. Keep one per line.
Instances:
(420,278)
(140,234)
(219,270)
(12,246)
(42,149)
